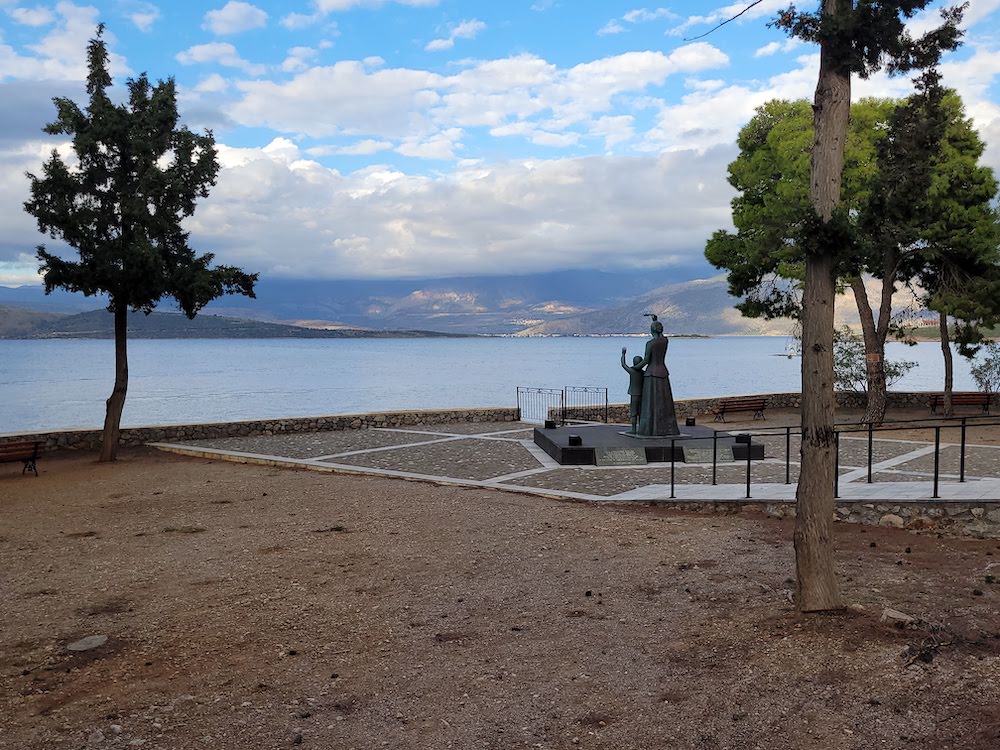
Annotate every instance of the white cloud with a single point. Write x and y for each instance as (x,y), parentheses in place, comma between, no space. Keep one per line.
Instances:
(772,48)
(213,84)
(220,53)
(440,146)
(611,27)
(534,215)
(296,21)
(367,147)
(642,15)
(61,54)
(333,6)
(352,98)
(234,17)
(464,30)
(37,16)
(345,98)
(765,8)
(614,129)
(298,59)
(323,8)
(639,15)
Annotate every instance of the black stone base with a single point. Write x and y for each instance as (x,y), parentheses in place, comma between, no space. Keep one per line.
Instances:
(695,442)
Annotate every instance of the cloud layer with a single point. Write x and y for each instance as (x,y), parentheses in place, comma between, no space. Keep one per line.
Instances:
(443,159)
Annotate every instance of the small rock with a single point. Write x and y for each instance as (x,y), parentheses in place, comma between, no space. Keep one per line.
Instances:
(891,519)
(88,643)
(96,737)
(977,592)
(897,618)
(137,743)
(116,728)
(297,739)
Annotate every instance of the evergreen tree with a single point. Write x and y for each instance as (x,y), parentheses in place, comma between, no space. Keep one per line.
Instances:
(138,175)
(854,38)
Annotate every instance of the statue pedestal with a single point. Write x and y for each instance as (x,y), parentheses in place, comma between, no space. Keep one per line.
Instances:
(693,445)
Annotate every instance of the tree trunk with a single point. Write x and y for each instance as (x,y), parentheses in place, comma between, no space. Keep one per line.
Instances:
(874,356)
(816,580)
(949,366)
(116,402)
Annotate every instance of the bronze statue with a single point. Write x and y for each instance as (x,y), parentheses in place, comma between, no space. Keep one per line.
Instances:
(656,415)
(635,378)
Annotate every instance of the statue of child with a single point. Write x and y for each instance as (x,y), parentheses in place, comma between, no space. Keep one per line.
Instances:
(635,381)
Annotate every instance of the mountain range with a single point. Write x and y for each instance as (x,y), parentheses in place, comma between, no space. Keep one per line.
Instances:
(559,303)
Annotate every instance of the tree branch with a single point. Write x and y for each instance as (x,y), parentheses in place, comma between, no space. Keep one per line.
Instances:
(728,20)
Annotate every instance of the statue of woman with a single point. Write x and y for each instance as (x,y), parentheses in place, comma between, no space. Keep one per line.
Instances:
(657,416)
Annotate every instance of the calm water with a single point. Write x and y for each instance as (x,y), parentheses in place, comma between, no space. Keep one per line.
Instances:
(57,384)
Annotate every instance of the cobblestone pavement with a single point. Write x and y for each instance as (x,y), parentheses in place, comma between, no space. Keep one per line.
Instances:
(503,454)
(462,459)
(313,444)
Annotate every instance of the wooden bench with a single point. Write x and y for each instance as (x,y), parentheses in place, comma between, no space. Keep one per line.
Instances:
(981,400)
(756,405)
(26,451)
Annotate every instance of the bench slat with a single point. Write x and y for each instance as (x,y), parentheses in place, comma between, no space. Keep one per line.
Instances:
(756,405)
(26,451)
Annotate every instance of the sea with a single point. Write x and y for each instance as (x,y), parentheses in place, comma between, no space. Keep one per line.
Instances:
(62,384)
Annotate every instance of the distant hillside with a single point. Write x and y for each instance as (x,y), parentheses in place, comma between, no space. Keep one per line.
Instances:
(99,324)
(18,322)
(475,304)
(702,306)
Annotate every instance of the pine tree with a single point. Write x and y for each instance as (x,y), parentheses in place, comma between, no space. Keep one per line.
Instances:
(854,38)
(138,175)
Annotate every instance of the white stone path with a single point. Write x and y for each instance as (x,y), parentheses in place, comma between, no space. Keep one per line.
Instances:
(853,484)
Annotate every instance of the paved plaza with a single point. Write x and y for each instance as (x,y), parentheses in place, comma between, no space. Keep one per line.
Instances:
(503,455)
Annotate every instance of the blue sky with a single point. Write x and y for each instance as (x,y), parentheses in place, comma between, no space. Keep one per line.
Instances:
(406,138)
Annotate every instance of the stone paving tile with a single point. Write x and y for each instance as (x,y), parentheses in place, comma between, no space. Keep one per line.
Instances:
(312,444)
(470,428)
(979,462)
(461,459)
(616,481)
(522,435)
(895,476)
(855,451)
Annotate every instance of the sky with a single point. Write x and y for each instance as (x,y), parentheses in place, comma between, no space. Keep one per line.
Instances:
(428,138)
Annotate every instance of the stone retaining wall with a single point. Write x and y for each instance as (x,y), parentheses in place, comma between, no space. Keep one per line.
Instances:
(135,436)
(695,407)
(980,519)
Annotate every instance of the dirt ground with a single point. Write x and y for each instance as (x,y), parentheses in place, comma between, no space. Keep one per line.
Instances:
(250,607)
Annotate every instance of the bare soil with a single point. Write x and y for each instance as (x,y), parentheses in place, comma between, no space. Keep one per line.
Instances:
(250,607)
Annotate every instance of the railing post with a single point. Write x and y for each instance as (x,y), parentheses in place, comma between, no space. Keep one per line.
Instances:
(870,440)
(672,468)
(937,459)
(563,405)
(749,454)
(715,455)
(961,464)
(836,463)
(606,416)
(788,455)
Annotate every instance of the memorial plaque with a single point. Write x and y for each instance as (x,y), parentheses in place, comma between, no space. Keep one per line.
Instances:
(698,455)
(619,456)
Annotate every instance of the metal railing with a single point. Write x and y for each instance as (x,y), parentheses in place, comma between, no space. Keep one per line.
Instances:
(940,425)
(587,403)
(537,405)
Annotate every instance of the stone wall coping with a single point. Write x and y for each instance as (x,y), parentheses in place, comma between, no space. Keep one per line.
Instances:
(260,420)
